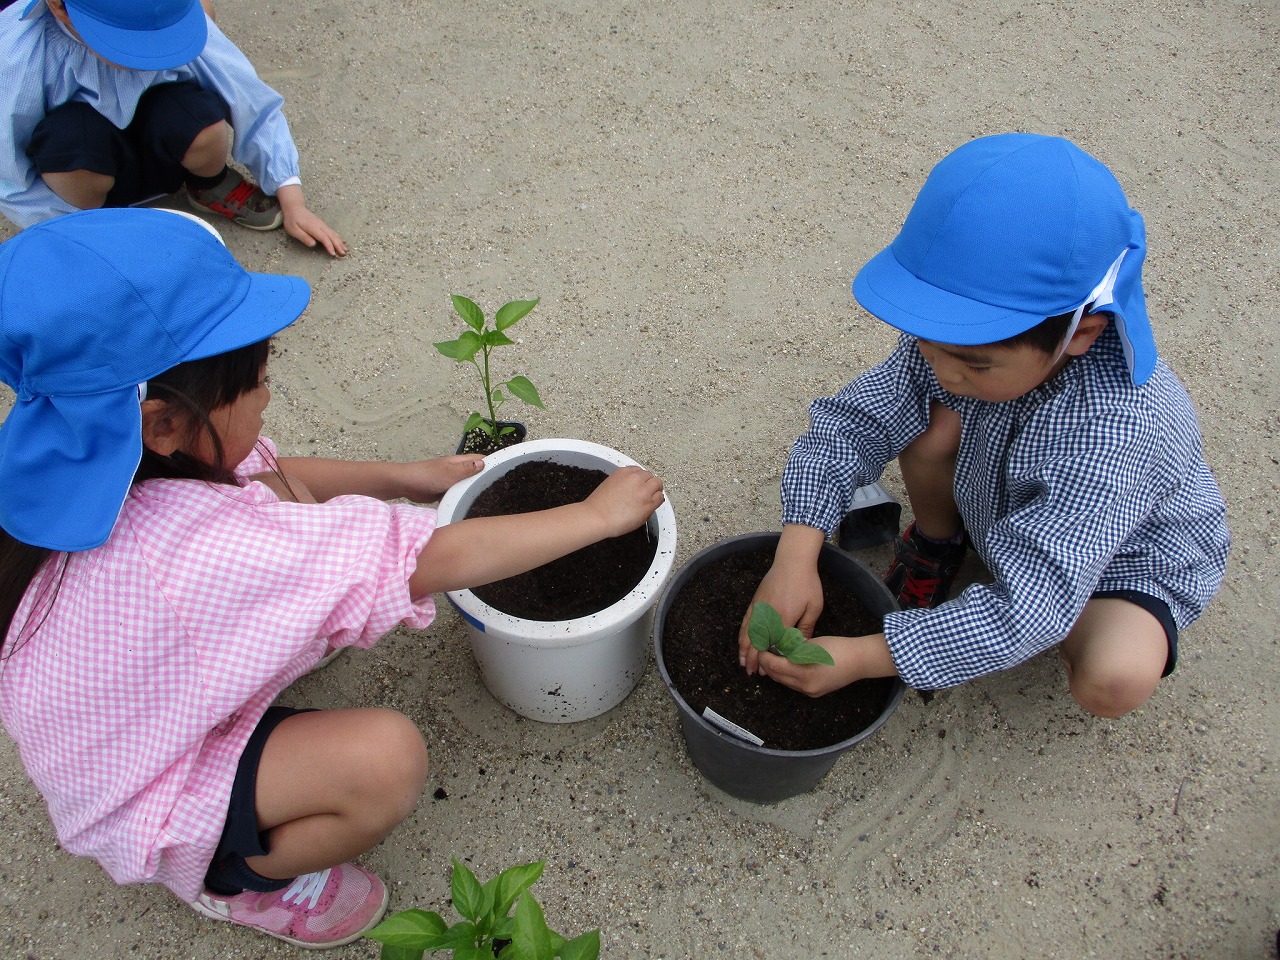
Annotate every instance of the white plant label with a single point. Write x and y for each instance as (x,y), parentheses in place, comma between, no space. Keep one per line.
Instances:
(728,726)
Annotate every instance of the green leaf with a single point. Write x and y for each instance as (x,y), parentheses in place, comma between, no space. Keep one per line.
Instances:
(514,881)
(504,928)
(488,915)
(765,626)
(473,952)
(791,639)
(462,349)
(585,947)
(449,348)
(468,899)
(810,653)
(461,935)
(478,421)
(531,936)
(407,927)
(526,391)
(509,313)
(469,312)
(399,953)
(496,338)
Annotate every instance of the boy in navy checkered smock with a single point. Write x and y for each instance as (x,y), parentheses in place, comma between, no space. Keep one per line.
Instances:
(1031,419)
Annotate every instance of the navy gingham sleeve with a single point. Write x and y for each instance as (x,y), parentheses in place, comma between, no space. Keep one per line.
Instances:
(1087,490)
(853,434)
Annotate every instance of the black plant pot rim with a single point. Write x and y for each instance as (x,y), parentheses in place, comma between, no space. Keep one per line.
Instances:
(737,544)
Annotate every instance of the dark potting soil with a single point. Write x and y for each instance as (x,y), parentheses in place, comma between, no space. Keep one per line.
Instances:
(700,650)
(477,441)
(584,582)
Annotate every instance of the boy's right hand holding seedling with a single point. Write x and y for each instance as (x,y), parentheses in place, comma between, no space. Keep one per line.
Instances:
(793,591)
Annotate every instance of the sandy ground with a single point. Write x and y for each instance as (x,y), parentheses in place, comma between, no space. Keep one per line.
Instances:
(689,187)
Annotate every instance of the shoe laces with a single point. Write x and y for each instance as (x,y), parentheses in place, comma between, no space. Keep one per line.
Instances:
(919,591)
(309,886)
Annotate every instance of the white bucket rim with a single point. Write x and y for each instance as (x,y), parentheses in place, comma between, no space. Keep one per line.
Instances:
(560,633)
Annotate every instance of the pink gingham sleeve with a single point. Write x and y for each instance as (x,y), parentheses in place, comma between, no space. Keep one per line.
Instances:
(263,586)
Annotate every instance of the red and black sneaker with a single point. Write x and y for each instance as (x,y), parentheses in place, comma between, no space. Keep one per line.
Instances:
(240,200)
(923,570)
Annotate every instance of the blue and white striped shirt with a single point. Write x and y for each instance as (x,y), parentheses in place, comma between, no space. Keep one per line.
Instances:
(42,67)
(1087,483)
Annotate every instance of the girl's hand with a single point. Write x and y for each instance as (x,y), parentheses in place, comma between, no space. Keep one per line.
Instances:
(625,500)
(427,480)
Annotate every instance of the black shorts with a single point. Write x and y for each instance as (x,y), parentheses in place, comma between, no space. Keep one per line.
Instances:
(240,836)
(145,158)
(1158,609)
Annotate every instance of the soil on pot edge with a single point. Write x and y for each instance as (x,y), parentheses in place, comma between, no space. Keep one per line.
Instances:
(477,441)
(584,582)
(700,652)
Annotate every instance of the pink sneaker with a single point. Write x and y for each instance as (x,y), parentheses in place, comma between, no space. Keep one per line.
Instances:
(316,911)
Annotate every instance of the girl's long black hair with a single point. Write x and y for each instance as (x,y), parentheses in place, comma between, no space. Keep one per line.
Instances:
(192,390)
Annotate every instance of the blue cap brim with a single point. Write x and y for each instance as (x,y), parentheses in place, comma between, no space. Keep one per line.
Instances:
(889,291)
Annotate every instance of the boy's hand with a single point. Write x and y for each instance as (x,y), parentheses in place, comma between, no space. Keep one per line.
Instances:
(791,587)
(305,226)
(625,500)
(856,658)
(812,679)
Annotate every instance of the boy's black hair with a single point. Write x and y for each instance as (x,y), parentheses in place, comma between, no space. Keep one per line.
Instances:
(1046,336)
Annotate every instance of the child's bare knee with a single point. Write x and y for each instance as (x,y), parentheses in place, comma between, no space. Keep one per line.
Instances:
(395,766)
(210,145)
(1110,696)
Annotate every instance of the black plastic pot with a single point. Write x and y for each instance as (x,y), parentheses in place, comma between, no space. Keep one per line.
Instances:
(517,435)
(742,769)
(873,520)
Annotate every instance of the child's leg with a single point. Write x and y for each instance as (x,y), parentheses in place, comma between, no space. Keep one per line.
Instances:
(79,154)
(332,784)
(1115,655)
(181,132)
(927,557)
(207,155)
(928,467)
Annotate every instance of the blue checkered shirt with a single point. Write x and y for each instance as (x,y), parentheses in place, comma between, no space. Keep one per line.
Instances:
(42,67)
(1087,483)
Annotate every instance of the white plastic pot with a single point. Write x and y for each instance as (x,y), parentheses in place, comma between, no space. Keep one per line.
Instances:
(562,671)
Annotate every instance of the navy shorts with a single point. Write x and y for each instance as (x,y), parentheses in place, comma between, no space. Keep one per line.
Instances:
(1158,609)
(145,158)
(240,836)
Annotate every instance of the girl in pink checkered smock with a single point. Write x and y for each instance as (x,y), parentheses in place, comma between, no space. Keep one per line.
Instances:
(164,576)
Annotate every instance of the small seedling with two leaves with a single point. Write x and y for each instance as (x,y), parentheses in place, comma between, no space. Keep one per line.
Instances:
(767,633)
(474,346)
(488,929)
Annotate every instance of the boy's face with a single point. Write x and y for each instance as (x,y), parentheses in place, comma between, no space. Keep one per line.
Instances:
(59,11)
(992,373)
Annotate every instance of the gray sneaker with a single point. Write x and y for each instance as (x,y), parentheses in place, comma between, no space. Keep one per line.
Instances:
(240,200)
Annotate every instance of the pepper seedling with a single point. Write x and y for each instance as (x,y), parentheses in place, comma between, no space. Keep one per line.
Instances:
(767,633)
(488,929)
(474,346)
